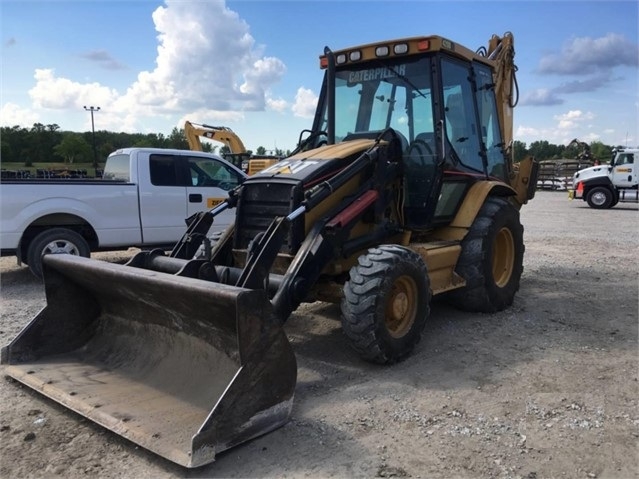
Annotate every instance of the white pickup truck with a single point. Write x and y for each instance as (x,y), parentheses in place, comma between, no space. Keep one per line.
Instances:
(142,200)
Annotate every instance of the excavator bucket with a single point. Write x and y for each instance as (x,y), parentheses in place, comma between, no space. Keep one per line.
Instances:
(183,367)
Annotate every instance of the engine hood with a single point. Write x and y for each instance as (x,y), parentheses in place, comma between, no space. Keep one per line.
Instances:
(592,172)
(313,166)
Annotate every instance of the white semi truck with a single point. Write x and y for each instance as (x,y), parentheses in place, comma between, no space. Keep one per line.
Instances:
(604,186)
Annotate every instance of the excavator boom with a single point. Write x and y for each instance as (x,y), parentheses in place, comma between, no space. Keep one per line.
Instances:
(238,154)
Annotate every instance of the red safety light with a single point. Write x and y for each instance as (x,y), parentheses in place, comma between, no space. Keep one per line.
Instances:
(423,45)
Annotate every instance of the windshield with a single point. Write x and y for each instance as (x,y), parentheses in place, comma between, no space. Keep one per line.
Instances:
(395,93)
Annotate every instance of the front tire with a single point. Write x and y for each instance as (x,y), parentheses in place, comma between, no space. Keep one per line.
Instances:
(386,303)
(491,260)
(600,198)
(55,241)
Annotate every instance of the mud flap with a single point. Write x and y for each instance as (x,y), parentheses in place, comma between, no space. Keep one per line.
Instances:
(183,367)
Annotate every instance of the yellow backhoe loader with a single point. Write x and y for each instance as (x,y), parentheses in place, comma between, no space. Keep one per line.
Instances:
(404,188)
(239,155)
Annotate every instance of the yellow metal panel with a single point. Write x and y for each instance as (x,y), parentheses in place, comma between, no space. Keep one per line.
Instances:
(440,258)
(338,150)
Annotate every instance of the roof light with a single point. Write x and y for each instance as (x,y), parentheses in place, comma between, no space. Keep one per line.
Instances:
(400,48)
(323,62)
(382,51)
(340,59)
(355,56)
(423,45)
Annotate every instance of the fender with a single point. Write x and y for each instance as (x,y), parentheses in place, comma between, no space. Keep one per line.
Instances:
(598,181)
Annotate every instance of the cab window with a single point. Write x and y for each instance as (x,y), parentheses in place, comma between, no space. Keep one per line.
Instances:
(625,159)
(462,129)
(117,168)
(210,172)
(163,170)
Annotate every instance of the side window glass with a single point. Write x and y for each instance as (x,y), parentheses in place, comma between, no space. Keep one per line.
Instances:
(163,170)
(489,122)
(210,172)
(461,124)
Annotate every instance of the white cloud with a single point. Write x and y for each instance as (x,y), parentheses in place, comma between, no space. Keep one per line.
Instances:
(13,115)
(568,125)
(61,93)
(541,96)
(572,119)
(211,117)
(207,61)
(583,55)
(305,103)
(279,105)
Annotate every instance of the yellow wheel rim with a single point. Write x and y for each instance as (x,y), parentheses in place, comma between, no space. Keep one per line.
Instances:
(503,257)
(401,307)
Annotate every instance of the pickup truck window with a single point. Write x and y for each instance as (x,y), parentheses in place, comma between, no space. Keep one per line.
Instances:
(163,170)
(117,168)
(209,172)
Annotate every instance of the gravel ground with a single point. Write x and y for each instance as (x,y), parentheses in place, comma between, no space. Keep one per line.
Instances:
(545,389)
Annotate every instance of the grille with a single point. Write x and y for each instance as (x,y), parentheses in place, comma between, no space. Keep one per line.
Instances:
(259,204)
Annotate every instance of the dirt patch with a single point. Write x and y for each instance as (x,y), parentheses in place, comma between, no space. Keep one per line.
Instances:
(547,388)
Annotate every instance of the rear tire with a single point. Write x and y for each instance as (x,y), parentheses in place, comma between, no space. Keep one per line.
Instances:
(491,260)
(386,303)
(600,198)
(55,241)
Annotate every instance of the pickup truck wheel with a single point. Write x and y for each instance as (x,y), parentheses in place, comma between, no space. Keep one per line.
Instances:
(491,260)
(386,303)
(600,198)
(55,241)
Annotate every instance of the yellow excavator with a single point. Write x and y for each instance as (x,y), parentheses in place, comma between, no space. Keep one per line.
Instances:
(403,189)
(239,155)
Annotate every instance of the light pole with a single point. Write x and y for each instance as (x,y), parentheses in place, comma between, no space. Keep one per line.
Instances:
(95,152)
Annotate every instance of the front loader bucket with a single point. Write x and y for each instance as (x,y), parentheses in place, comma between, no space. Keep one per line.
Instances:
(183,367)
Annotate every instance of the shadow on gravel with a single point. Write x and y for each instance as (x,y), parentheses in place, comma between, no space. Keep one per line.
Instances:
(21,276)
(557,311)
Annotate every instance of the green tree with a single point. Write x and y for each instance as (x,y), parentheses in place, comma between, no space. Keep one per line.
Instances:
(542,150)
(42,140)
(519,150)
(600,151)
(177,139)
(260,150)
(73,146)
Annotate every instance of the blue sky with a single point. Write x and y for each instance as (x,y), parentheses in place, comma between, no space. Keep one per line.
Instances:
(253,65)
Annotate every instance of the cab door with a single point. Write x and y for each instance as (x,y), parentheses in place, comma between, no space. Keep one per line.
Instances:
(162,198)
(624,174)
